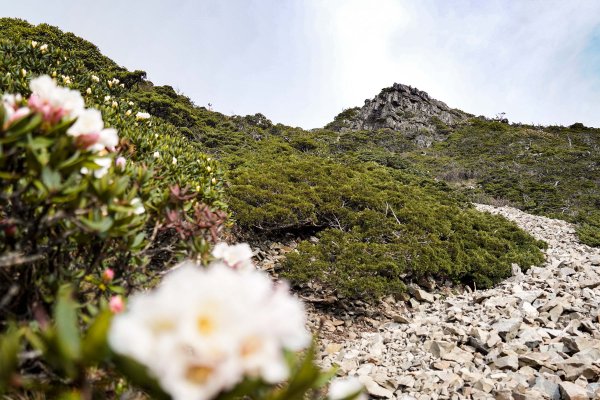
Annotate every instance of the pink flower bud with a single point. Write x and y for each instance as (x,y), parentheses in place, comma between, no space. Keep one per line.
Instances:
(116,304)
(108,275)
(120,162)
(86,140)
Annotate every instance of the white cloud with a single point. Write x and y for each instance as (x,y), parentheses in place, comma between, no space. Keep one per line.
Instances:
(524,58)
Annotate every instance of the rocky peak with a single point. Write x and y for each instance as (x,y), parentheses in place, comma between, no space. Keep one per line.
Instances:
(405,109)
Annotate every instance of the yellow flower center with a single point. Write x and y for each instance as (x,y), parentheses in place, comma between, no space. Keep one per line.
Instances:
(205,324)
(198,373)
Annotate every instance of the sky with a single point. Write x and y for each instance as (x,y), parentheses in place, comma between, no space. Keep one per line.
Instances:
(301,62)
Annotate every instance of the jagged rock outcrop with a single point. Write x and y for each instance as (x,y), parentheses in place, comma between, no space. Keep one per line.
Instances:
(405,109)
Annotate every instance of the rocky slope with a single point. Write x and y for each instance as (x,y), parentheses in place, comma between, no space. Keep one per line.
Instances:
(535,336)
(405,109)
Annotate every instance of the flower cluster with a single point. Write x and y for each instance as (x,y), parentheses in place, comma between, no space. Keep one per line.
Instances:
(238,256)
(54,103)
(204,330)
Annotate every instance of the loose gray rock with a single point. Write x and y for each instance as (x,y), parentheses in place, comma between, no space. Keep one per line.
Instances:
(534,336)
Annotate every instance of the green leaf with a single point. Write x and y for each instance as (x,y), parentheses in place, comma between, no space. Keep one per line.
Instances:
(2,114)
(9,350)
(117,289)
(71,161)
(138,374)
(305,377)
(51,179)
(65,316)
(94,346)
(40,142)
(71,395)
(101,226)
(21,127)
(139,238)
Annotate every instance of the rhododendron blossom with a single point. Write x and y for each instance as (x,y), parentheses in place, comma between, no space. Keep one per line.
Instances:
(108,275)
(138,207)
(142,115)
(120,162)
(90,134)
(203,330)
(116,304)
(13,109)
(238,256)
(52,101)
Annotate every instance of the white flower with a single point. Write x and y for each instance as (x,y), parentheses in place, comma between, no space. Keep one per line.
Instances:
(343,388)
(138,207)
(95,78)
(121,163)
(88,90)
(44,48)
(214,181)
(203,330)
(104,163)
(174,161)
(238,256)
(34,44)
(156,154)
(90,133)
(52,101)
(115,104)
(66,79)
(23,72)
(107,98)
(128,112)
(208,168)
(13,109)
(131,103)
(142,115)
(88,121)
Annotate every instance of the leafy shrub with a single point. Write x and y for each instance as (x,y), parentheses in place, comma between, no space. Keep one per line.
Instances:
(379,228)
(550,171)
(83,218)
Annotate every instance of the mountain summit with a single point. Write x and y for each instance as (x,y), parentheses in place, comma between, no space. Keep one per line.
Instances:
(401,108)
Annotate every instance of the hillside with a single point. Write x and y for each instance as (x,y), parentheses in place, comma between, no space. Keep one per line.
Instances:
(108,182)
(552,171)
(374,190)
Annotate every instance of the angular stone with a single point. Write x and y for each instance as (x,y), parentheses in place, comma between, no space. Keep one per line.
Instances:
(440,348)
(533,359)
(547,387)
(458,355)
(571,391)
(422,295)
(556,312)
(578,343)
(406,381)
(373,388)
(508,362)
(507,329)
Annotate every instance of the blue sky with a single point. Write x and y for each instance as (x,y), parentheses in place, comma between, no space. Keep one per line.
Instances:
(300,62)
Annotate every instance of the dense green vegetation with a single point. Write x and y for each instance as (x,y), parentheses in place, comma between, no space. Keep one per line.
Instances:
(98,199)
(381,221)
(552,171)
